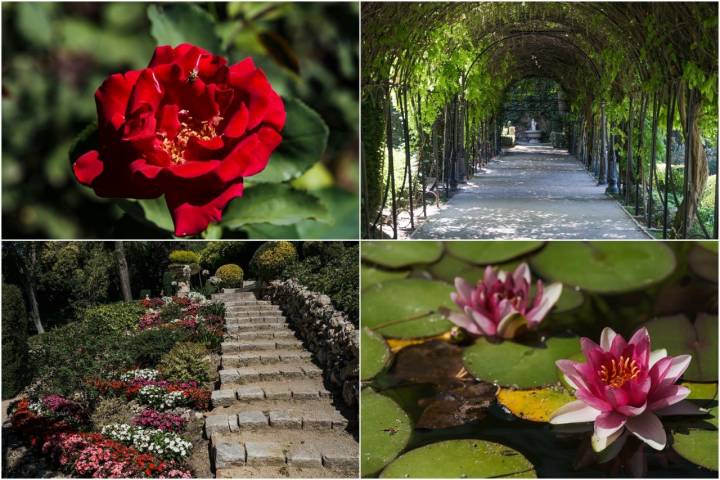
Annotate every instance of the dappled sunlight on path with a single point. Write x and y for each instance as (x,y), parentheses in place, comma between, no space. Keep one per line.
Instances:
(533,191)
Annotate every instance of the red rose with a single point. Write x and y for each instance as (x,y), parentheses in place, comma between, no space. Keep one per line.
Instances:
(189,127)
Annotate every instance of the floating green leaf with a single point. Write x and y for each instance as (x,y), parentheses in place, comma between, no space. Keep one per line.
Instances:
(490,252)
(406,308)
(680,336)
(384,431)
(276,204)
(605,267)
(394,254)
(535,404)
(704,263)
(374,355)
(370,276)
(461,459)
(176,23)
(512,364)
(304,139)
(698,445)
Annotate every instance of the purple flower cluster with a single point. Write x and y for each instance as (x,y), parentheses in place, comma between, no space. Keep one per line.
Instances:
(167,422)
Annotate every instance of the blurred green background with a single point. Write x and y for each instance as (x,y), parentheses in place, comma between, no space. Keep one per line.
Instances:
(55,55)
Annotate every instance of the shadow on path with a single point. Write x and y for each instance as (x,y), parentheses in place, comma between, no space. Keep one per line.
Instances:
(533,191)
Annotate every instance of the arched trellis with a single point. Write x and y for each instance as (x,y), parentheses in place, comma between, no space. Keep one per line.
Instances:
(397,37)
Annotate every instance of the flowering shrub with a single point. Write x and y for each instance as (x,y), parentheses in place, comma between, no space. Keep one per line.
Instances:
(59,408)
(93,455)
(160,399)
(140,374)
(182,301)
(149,320)
(168,422)
(152,302)
(167,445)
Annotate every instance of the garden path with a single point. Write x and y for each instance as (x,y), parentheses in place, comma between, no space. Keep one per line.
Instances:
(531,192)
(272,416)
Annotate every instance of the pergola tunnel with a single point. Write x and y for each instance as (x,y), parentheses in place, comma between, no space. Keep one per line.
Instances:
(629,89)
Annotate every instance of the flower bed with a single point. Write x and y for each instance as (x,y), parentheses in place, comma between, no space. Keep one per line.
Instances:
(150,445)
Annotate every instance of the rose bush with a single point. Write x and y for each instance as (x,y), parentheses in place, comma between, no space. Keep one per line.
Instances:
(188,127)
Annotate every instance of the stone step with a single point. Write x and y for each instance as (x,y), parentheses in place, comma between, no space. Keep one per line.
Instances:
(246,302)
(252,310)
(260,334)
(267,392)
(248,313)
(258,357)
(278,419)
(235,293)
(273,372)
(255,327)
(249,345)
(255,319)
(309,452)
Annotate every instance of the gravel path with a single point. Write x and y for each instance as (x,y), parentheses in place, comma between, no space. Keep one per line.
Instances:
(531,192)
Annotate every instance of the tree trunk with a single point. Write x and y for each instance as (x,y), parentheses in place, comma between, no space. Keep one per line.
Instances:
(29,283)
(123,271)
(698,163)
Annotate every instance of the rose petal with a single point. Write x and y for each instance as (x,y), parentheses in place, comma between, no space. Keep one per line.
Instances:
(574,412)
(648,428)
(193,216)
(88,167)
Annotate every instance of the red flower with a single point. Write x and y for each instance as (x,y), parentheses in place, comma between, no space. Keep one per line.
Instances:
(188,127)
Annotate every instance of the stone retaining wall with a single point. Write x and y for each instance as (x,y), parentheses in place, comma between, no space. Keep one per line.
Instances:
(327,332)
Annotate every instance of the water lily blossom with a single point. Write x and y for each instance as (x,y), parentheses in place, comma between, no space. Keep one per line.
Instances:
(500,304)
(624,386)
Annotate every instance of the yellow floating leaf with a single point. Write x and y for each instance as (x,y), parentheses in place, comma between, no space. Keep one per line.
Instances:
(701,391)
(535,404)
(397,344)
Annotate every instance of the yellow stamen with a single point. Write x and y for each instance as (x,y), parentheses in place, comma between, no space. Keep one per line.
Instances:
(189,128)
(616,373)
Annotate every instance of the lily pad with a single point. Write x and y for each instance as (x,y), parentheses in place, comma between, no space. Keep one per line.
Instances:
(698,445)
(712,246)
(680,336)
(605,267)
(374,355)
(394,254)
(458,406)
(407,308)
(704,263)
(461,459)
(490,252)
(385,431)
(701,390)
(369,276)
(535,404)
(512,364)
(434,362)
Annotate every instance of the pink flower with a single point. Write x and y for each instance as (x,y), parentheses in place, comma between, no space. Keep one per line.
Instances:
(500,303)
(623,385)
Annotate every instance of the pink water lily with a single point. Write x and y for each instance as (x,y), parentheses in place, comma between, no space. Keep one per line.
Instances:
(624,386)
(500,303)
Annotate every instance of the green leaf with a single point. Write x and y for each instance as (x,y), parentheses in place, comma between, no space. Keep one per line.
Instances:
(304,139)
(406,308)
(605,267)
(461,459)
(698,444)
(680,336)
(512,364)
(85,141)
(34,22)
(266,230)
(384,431)
(276,204)
(490,252)
(280,50)
(374,355)
(176,23)
(153,210)
(370,276)
(342,221)
(394,254)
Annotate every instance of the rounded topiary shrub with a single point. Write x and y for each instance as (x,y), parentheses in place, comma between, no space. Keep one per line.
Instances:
(271,258)
(185,257)
(186,361)
(231,275)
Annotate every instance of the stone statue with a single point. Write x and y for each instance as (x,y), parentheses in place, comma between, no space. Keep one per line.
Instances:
(184,284)
(532,124)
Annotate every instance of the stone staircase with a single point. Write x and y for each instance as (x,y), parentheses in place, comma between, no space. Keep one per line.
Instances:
(272,416)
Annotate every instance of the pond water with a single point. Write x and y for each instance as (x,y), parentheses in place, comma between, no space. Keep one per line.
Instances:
(440,402)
